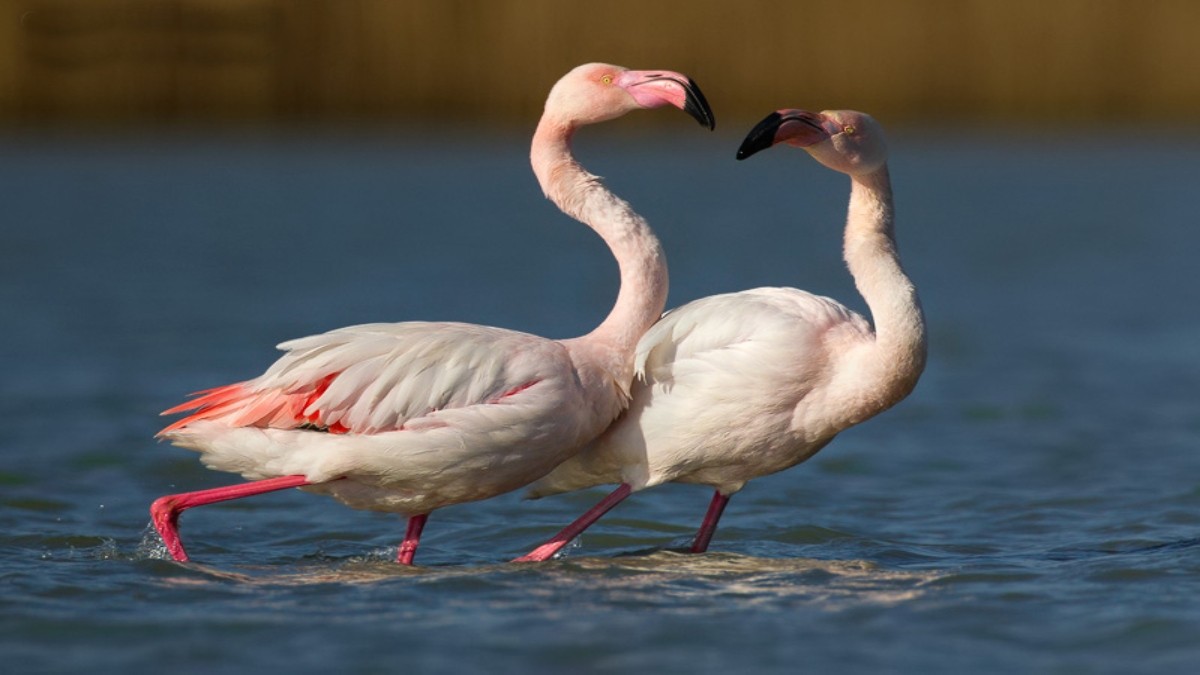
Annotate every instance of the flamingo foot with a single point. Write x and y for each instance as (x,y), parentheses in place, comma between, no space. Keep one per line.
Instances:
(412,537)
(715,508)
(555,544)
(164,512)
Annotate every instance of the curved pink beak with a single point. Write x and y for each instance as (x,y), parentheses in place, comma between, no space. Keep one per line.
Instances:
(656,88)
(798,127)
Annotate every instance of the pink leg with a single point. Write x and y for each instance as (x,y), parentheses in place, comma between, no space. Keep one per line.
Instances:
(408,547)
(715,508)
(165,510)
(555,544)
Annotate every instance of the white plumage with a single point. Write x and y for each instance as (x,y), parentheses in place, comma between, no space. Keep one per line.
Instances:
(719,384)
(737,386)
(398,400)
(411,417)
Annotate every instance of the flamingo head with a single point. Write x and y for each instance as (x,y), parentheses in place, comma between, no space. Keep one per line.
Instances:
(843,140)
(596,92)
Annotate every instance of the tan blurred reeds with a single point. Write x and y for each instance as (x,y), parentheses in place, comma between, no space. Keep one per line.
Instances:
(1016,62)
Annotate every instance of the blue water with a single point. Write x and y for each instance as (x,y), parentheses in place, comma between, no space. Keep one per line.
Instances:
(1034,506)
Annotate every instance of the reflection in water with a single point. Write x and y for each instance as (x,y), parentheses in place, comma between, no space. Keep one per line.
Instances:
(664,579)
(684,581)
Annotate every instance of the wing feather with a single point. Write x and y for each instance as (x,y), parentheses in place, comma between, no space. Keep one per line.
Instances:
(379,377)
(729,331)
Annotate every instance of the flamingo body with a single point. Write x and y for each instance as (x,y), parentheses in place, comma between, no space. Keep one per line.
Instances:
(726,390)
(411,417)
(737,386)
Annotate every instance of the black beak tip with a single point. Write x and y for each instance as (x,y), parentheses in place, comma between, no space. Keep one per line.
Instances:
(697,106)
(761,137)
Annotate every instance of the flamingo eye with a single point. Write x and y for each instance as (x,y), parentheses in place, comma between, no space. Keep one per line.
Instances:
(848,129)
(607,79)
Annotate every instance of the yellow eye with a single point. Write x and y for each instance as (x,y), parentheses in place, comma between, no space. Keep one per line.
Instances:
(607,79)
(848,129)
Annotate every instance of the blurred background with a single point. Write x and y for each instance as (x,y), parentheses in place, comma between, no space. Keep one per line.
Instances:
(1019,62)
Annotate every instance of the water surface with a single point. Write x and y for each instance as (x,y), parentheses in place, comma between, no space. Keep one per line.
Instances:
(1034,506)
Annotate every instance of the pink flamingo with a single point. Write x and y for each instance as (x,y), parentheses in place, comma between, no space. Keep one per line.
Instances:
(410,417)
(741,385)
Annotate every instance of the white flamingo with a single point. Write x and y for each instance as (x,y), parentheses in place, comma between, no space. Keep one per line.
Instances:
(736,386)
(411,417)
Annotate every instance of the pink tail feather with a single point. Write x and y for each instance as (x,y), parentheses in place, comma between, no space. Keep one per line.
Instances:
(208,404)
(241,406)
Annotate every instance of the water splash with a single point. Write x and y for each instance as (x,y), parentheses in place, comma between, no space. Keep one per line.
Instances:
(152,546)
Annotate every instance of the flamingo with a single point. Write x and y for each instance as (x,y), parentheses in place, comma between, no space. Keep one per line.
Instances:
(740,385)
(410,417)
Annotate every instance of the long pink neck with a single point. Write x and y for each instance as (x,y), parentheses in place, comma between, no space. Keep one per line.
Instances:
(583,196)
(894,362)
